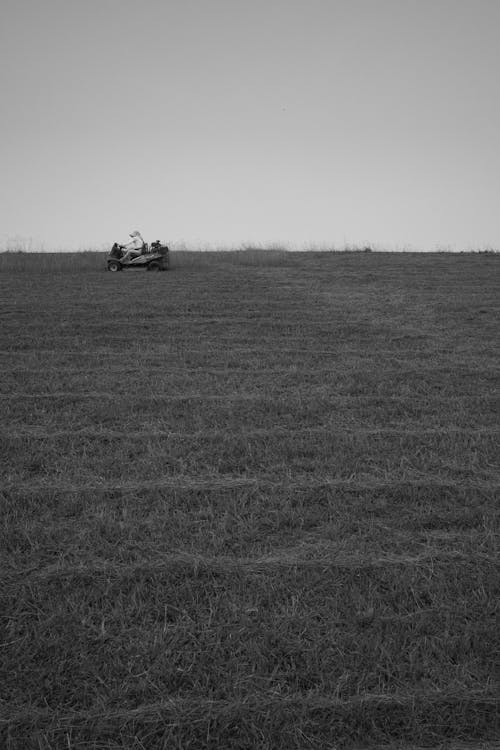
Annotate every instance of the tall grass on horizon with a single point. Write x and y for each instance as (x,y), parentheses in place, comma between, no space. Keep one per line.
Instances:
(22,261)
(95,260)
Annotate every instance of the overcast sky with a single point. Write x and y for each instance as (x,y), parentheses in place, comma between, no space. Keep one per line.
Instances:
(224,122)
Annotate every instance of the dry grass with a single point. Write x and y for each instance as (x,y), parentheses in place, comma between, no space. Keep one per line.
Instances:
(250,504)
(93,260)
(32,261)
(51,262)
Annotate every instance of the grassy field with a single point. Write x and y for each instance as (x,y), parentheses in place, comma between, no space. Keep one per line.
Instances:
(250,503)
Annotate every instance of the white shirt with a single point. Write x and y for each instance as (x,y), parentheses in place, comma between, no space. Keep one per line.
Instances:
(134,244)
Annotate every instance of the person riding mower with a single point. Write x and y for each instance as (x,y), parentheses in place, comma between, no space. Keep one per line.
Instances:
(155,258)
(134,247)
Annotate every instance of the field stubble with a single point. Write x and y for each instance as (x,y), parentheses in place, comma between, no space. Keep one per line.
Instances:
(251,504)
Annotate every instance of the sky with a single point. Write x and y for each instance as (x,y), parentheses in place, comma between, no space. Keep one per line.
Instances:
(234,122)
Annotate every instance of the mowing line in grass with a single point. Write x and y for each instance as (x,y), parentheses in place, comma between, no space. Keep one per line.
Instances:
(194,563)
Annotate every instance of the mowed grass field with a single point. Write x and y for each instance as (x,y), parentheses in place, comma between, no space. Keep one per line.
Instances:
(252,502)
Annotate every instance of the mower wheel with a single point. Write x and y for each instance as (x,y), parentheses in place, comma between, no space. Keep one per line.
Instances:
(154,266)
(114,266)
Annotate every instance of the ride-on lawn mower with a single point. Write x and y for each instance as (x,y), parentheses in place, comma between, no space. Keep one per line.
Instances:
(154,258)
